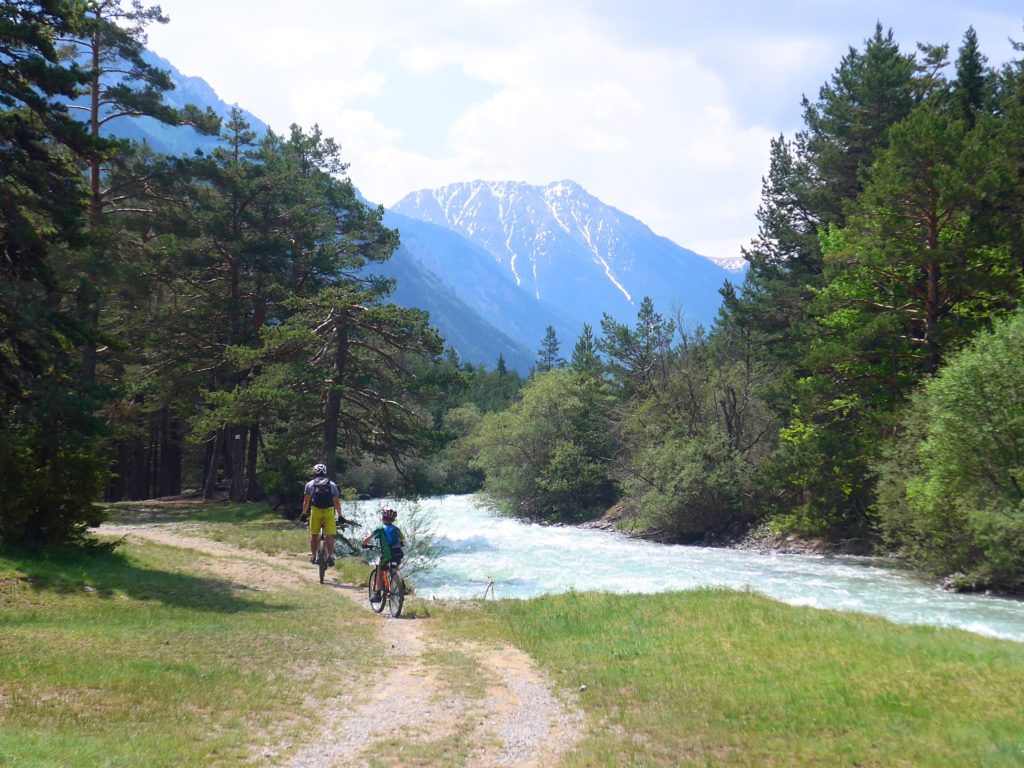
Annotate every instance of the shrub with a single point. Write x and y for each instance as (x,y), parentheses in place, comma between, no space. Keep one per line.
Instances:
(954,482)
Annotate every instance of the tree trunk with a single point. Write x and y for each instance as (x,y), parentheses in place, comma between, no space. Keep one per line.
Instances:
(236,455)
(88,300)
(210,486)
(333,412)
(932,319)
(253,488)
(169,469)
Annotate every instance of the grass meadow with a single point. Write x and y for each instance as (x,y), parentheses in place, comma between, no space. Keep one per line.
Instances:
(152,655)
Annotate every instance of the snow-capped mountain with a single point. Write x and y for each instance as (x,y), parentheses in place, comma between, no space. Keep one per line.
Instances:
(565,248)
(736,264)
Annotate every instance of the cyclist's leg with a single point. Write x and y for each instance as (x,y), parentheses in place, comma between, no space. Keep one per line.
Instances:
(317,520)
(330,531)
(314,535)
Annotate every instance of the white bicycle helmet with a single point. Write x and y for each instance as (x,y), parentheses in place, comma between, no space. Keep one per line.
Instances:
(319,469)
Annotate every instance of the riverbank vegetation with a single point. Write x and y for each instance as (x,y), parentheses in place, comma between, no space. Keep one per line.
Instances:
(213,322)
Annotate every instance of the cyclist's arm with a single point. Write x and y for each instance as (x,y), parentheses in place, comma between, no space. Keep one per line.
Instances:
(305,505)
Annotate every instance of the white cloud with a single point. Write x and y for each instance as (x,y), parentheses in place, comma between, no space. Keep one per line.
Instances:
(664,110)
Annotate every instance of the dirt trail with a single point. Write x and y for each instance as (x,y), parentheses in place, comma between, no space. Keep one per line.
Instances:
(506,717)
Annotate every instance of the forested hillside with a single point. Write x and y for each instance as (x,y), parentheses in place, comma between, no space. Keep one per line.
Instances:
(206,322)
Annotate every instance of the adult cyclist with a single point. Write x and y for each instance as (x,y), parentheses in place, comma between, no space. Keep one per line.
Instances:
(321,501)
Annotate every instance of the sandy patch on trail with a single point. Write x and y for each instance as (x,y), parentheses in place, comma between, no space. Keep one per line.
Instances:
(510,718)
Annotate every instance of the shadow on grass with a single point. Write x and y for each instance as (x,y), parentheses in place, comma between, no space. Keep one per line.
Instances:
(107,573)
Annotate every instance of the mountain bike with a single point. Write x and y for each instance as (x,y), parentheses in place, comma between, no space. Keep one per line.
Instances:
(392,588)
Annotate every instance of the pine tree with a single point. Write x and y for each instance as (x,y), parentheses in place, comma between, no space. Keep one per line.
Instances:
(584,355)
(972,85)
(637,358)
(50,469)
(109,43)
(547,355)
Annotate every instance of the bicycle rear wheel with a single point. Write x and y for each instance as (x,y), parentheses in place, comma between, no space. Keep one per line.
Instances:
(396,595)
(377,606)
(321,557)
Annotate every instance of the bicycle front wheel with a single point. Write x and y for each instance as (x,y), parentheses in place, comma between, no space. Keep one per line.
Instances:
(396,595)
(377,605)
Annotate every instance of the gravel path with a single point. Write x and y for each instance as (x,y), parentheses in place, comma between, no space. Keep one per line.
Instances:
(506,717)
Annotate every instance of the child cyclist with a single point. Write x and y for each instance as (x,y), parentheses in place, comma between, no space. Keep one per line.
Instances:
(391,541)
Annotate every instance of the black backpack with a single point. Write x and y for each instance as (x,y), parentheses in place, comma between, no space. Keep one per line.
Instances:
(322,495)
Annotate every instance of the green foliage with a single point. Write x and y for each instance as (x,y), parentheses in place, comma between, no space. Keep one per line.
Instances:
(585,357)
(687,488)
(547,457)
(691,453)
(50,464)
(51,481)
(954,481)
(547,355)
(886,242)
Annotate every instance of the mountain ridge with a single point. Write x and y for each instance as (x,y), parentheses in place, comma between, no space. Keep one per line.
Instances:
(564,246)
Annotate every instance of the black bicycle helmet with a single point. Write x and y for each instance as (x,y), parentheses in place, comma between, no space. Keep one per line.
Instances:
(388,515)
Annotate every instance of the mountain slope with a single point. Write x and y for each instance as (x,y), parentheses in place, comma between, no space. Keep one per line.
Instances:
(565,247)
(178,140)
(462,328)
(481,283)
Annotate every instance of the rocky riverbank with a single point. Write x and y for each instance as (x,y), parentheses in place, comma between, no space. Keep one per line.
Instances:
(622,518)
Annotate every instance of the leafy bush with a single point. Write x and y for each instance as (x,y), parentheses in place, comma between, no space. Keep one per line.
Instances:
(547,456)
(953,484)
(687,487)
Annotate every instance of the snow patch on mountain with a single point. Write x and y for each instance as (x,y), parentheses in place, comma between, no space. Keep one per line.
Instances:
(564,246)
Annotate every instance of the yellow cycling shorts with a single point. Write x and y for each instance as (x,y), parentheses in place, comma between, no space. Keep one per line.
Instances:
(322,516)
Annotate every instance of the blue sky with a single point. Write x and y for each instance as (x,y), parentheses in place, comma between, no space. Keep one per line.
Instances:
(662,108)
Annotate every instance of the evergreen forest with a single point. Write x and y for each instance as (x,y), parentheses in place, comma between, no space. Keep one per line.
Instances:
(211,324)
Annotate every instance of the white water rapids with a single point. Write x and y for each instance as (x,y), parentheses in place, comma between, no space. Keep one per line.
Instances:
(523,560)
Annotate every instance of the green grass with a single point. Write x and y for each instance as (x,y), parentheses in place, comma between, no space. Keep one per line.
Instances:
(167,661)
(722,678)
(145,656)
